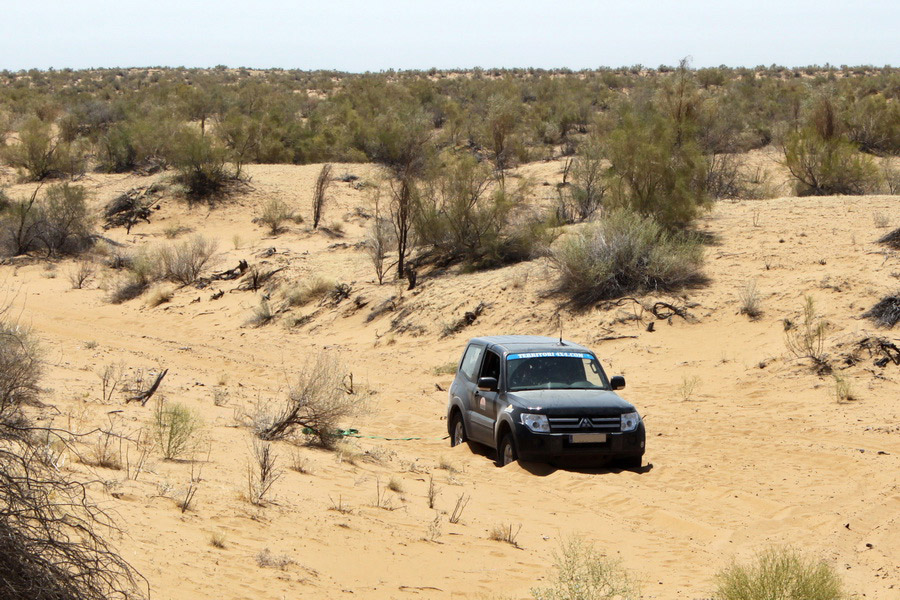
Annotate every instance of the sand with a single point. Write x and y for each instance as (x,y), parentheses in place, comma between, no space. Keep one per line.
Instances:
(758,453)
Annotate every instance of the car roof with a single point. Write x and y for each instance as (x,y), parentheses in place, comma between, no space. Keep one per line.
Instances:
(527,343)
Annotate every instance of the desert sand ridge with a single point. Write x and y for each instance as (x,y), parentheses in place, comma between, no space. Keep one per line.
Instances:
(759,454)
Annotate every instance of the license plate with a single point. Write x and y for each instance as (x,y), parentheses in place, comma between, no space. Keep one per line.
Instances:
(588,438)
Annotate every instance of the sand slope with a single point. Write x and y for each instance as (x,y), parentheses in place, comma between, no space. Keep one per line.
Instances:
(759,454)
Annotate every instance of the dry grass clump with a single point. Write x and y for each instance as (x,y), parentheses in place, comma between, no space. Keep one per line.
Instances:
(782,574)
(315,288)
(749,297)
(160,295)
(506,533)
(273,215)
(625,253)
(583,573)
(262,472)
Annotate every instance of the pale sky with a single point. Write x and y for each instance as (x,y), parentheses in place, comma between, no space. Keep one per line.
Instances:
(374,35)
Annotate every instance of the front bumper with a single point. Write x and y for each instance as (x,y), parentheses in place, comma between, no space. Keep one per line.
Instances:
(546,446)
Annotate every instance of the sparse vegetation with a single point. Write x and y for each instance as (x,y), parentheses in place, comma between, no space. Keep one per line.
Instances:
(317,403)
(274,213)
(506,533)
(318,202)
(749,298)
(583,573)
(779,573)
(174,428)
(886,312)
(807,339)
(625,253)
(262,472)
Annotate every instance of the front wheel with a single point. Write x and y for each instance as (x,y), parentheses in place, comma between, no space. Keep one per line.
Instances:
(457,431)
(630,462)
(506,451)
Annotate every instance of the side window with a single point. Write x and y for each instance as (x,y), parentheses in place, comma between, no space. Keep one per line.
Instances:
(491,366)
(471,360)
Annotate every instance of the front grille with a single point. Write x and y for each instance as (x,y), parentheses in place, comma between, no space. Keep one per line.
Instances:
(584,424)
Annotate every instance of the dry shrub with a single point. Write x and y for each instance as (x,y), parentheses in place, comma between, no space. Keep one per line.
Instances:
(625,253)
(782,574)
(186,262)
(262,472)
(274,213)
(886,312)
(322,183)
(51,547)
(892,239)
(583,573)
(807,340)
(317,403)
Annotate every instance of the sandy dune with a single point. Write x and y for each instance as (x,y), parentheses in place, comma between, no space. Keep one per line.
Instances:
(759,454)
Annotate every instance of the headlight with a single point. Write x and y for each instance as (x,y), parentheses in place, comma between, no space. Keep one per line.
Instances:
(536,423)
(630,421)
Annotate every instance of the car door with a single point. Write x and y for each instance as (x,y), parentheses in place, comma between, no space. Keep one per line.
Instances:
(464,387)
(484,409)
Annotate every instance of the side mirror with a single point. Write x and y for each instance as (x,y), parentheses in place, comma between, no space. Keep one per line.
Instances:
(488,384)
(618,382)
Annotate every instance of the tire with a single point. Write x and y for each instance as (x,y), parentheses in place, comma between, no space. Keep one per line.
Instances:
(457,431)
(630,462)
(506,450)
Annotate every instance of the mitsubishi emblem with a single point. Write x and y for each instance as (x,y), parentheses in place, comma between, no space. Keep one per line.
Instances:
(585,423)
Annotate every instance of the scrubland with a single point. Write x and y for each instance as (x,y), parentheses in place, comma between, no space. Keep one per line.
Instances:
(296,259)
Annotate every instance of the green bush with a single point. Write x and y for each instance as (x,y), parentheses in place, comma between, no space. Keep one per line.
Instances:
(38,154)
(824,166)
(586,191)
(656,169)
(68,223)
(201,165)
(625,253)
(583,573)
(174,428)
(781,574)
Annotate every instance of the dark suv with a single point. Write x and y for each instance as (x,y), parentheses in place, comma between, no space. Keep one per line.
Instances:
(539,398)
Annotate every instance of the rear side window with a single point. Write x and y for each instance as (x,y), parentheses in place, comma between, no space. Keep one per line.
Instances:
(491,366)
(471,360)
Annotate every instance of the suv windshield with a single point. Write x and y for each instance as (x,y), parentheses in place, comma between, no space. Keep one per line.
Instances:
(554,370)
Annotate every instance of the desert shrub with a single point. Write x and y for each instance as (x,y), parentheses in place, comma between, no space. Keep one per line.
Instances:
(892,239)
(749,298)
(886,311)
(583,573)
(317,403)
(461,216)
(824,166)
(68,223)
(585,193)
(378,240)
(807,339)
(656,169)
(782,574)
(274,213)
(873,124)
(50,546)
(201,165)
(38,153)
(318,203)
(116,150)
(21,222)
(174,428)
(262,472)
(186,262)
(625,253)
(20,367)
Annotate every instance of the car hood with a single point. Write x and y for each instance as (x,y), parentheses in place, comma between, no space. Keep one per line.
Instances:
(583,402)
